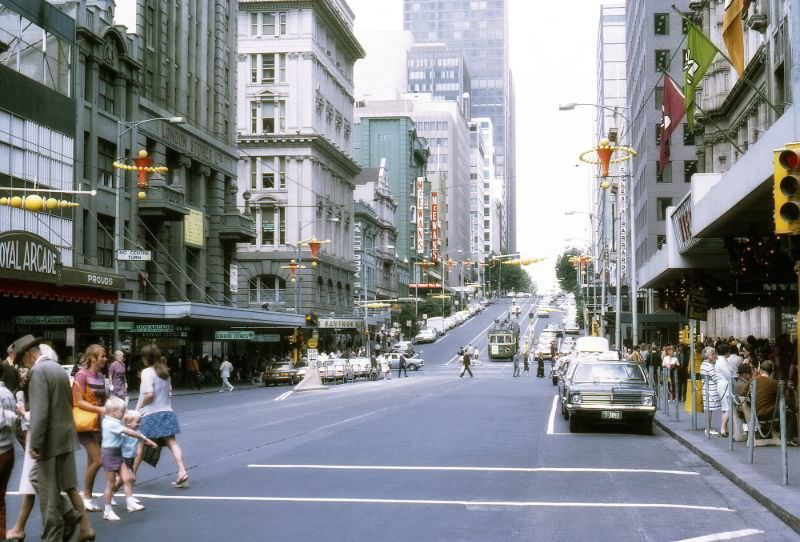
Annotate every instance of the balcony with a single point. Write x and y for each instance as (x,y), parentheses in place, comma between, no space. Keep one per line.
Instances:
(237,228)
(163,203)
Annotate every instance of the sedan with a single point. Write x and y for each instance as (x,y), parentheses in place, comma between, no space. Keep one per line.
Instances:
(412,364)
(280,373)
(425,336)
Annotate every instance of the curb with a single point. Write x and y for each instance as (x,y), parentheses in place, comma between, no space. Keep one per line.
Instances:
(135,396)
(780,512)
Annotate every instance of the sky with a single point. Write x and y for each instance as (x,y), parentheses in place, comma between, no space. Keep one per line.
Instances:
(553,62)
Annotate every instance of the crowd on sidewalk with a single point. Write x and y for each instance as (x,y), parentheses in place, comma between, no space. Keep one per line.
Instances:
(51,416)
(725,367)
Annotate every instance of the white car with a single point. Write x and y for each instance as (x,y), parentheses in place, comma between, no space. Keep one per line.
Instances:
(425,336)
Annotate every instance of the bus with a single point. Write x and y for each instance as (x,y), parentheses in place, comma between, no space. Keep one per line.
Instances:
(503,339)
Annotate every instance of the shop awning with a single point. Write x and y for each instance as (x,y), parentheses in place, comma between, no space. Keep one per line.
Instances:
(200,313)
(41,290)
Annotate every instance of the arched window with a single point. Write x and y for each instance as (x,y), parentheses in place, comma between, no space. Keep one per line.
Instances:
(340,294)
(267,289)
(318,295)
(331,293)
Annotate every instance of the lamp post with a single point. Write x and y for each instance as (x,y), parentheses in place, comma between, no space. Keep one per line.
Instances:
(633,293)
(298,245)
(365,251)
(124,127)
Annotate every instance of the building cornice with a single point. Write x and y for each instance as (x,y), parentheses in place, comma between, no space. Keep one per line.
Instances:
(318,142)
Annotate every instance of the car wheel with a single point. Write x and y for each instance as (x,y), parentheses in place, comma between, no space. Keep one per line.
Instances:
(413,367)
(646,427)
(555,382)
(564,412)
(575,425)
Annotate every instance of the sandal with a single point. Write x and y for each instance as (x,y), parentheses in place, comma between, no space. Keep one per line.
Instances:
(182,482)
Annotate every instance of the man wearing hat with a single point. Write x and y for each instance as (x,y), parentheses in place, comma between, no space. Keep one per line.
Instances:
(53,441)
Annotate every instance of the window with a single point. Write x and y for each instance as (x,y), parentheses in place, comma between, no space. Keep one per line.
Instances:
(105,241)
(684,26)
(254,173)
(688,137)
(267,117)
(662,59)
(254,24)
(661,21)
(661,207)
(664,176)
(661,240)
(659,101)
(282,17)
(106,152)
(105,90)
(267,177)
(658,134)
(270,235)
(689,169)
(267,289)
(268,68)
(267,24)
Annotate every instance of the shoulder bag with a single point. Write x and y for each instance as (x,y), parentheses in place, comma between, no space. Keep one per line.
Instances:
(86,420)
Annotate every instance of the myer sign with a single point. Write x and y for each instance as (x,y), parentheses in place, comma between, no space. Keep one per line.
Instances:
(26,253)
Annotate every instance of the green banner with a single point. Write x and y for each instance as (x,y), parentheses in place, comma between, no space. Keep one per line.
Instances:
(234,335)
(700,53)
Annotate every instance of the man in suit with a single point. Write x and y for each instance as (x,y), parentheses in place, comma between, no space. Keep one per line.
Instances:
(53,441)
(9,374)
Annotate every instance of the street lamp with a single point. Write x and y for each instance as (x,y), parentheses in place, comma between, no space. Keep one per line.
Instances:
(124,127)
(365,251)
(298,246)
(633,293)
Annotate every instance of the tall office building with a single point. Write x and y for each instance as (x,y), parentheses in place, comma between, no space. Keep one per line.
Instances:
(479,30)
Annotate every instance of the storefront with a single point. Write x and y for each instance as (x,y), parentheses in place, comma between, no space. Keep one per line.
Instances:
(46,299)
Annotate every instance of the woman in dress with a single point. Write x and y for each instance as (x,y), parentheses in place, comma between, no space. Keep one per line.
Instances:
(89,393)
(708,373)
(155,404)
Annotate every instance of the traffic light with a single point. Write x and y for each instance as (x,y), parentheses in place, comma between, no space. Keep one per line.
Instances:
(684,335)
(595,328)
(786,189)
(311,320)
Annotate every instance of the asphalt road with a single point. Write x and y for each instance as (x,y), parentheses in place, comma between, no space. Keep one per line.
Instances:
(429,457)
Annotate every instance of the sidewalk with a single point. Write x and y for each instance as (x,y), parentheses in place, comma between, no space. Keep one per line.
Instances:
(133,396)
(761,480)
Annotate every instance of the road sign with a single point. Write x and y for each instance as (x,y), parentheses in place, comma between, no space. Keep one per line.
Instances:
(134,255)
(312,342)
(234,335)
(696,305)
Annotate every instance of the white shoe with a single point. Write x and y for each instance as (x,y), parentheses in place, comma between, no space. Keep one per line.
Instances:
(232,388)
(113,501)
(110,515)
(89,505)
(135,507)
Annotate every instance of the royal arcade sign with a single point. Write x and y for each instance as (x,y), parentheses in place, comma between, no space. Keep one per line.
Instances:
(29,257)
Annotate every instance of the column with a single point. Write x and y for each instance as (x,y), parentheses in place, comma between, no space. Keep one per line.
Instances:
(215,257)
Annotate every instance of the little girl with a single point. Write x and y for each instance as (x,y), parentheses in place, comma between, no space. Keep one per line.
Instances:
(112,459)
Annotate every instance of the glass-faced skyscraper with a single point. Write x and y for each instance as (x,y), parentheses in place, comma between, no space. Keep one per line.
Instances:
(479,30)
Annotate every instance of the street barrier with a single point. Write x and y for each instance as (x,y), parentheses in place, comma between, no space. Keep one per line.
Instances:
(784,450)
(731,416)
(752,423)
(707,405)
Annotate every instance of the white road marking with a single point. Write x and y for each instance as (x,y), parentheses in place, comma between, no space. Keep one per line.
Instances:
(729,535)
(551,420)
(476,503)
(284,395)
(479,469)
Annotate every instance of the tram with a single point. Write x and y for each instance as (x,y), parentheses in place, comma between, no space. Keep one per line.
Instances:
(503,339)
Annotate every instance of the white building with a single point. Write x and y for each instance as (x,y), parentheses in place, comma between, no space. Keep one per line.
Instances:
(295,96)
(481,178)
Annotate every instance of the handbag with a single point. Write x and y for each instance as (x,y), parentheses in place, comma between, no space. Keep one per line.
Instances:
(151,455)
(85,420)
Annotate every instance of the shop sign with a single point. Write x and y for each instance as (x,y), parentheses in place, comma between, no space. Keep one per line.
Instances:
(696,305)
(357,246)
(234,335)
(193,229)
(29,256)
(154,328)
(425,285)
(44,320)
(434,226)
(623,230)
(755,287)
(682,224)
(134,255)
(340,323)
(109,326)
(77,277)
(420,216)
(267,338)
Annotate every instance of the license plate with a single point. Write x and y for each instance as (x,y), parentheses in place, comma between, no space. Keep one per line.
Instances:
(610,415)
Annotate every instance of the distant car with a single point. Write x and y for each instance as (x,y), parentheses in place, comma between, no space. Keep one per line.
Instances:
(406,347)
(425,336)
(542,314)
(280,373)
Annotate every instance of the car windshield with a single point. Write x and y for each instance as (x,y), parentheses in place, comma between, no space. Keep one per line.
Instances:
(607,372)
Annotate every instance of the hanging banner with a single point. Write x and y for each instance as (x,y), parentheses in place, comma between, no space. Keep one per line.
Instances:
(357,246)
(434,226)
(623,228)
(420,216)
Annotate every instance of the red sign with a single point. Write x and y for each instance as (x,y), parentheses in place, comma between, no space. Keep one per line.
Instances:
(434,226)
(425,285)
(420,216)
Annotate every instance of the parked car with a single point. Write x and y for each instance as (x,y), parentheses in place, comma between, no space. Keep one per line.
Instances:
(425,336)
(361,367)
(412,363)
(336,370)
(601,391)
(280,373)
(406,347)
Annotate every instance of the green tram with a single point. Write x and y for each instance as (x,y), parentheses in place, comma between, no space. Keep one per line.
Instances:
(503,339)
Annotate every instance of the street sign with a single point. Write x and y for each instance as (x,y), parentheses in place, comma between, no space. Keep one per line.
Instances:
(134,255)
(408,323)
(44,320)
(425,316)
(696,305)
(108,326)
(234,335)
(312,342)
(70,336)
(267,338)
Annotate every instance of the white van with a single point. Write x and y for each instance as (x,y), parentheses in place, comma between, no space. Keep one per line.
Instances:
(591,344)
(437,323)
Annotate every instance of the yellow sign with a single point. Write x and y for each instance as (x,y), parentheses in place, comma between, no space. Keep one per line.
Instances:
(312,342)
(193,229)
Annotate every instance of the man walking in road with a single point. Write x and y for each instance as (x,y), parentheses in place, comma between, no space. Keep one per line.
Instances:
(401,367)
(466,360)
(516,366)
(225,370)
(53,442)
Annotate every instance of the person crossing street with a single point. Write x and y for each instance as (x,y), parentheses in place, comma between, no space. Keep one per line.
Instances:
(401,367)
(225,370)
(466,360)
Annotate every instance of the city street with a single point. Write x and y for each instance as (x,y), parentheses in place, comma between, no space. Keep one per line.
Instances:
(430,457)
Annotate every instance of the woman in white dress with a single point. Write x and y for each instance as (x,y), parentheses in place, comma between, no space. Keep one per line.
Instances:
(709,375)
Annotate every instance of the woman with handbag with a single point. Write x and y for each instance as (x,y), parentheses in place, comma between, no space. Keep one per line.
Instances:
(159,421)
(88,394)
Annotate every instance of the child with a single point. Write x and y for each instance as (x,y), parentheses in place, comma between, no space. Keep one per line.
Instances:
(111,458)
(130,447)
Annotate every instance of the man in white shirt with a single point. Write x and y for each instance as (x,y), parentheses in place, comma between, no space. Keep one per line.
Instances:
(225,370)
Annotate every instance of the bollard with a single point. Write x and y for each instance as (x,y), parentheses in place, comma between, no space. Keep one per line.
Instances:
(751,424)
(784,450)
(730,414)
(706,405)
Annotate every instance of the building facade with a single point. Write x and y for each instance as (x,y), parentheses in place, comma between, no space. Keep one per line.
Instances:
(296,168)
(479,30)
(481,176)
(441,71)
